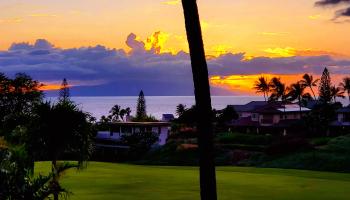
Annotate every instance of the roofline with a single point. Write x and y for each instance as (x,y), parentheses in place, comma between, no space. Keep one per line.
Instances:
(140,123)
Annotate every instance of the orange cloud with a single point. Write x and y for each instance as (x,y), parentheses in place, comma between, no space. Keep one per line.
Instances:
(48,87)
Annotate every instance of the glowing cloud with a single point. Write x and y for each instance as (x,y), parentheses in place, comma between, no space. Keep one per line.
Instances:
(281,52)
(42,15)
(273,33)
(11,20)
(156,42)
(219,50)
(314,17)
(172,2)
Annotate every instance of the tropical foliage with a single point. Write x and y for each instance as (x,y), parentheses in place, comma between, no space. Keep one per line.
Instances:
(262,86)
(18,182)
(36,130)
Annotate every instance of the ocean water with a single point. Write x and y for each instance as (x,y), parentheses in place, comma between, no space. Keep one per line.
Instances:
(155,105)
(158,105)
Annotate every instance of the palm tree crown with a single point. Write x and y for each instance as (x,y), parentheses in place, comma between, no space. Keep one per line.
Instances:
(297,92)
(278,90)
(345,86)
(262,86)
(308,81)
(336,92)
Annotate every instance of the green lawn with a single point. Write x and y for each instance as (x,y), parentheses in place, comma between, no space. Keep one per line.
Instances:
(104,181)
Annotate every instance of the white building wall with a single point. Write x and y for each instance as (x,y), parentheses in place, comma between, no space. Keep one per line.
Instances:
(163,136)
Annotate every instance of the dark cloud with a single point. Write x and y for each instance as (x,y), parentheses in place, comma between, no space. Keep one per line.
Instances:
(339,13)
(331,2)
(102,71)
(343,12)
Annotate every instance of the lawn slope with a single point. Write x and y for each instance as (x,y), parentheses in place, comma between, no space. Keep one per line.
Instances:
(119,181)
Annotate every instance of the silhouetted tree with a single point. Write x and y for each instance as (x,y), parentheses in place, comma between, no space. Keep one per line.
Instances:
(114,113)
(226,115)
(308,81)
(58,130)
(345,86)
(141,106)
(297,92)
(105,120)
(324,89)
(122,114)
(180,109)
(18,97)
(128,112)
(64,91)
(188,117)
(203,101)
(336,92)
(278,90)
(262,86)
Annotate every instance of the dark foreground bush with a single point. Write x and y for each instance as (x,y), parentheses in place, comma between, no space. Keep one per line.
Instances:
(315,160)
(339,145)
(320,141)
(171,154)
(286,145)
(239,138)
(246,147)
(139,143)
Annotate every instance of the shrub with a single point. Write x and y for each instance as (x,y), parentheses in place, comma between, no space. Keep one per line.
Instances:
(286,145)
(184,147)
(320,141)
(246,147)
(239,138)
(339,144)
(171,153)
(315,160)
(184,133)
(139,143)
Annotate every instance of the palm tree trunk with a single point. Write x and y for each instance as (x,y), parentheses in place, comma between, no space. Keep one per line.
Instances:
(313,93)
(299,100)
(265,96)
(54,179)
(203,101)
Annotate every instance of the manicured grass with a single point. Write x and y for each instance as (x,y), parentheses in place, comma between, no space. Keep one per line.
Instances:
(120,181)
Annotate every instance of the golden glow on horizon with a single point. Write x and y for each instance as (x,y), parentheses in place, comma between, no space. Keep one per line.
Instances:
(244,83)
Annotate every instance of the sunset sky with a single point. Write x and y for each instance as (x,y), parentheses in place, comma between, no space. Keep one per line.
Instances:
(105,46)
